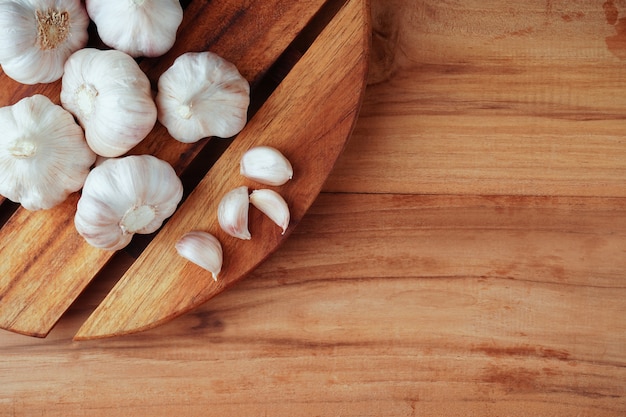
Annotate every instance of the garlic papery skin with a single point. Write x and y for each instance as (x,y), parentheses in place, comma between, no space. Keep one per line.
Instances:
(111,98)
(232,213)
(38,36)
(203,249)
(273,205)
(138,27)
(124,196)
(266,165)
(43,153)
(202,95)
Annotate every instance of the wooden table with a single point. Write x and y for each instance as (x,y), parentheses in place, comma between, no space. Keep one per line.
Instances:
(467,256)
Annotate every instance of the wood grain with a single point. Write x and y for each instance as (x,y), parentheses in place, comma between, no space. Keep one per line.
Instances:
(377,305)
(46,268)
(449,268)
(524,99)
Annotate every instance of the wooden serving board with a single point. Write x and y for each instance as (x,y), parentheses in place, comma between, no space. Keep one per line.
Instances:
(308,115)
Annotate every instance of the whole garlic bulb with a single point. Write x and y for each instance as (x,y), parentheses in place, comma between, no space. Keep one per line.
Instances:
(37,37)
(124,196)
(202,95)
(111,98)
(43,153)
(137,27)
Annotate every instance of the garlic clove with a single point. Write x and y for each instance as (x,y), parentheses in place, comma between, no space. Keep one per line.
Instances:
(43,153)
(202,95)
(203,249)
(232,213)
(266,165)
(124,196)
(273,205)
(137,27)
(111,97)
(37,37)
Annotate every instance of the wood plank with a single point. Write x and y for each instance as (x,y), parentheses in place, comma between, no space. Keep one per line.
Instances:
(491,98)
(325,89)
(35,294)
(368,310)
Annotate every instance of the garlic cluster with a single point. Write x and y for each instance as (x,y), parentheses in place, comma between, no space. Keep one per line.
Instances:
(233,210)
(202,95)
(203,249)
(37,37)
(111,98)
(43,154)
(124,196)
(268,166)
(137,27)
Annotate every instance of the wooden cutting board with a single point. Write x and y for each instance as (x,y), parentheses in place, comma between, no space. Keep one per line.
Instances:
(306,62)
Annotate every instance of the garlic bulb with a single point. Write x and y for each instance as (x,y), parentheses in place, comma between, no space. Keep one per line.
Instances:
(232,213)
(266,165)
(137,27)
(37,37)
(124,196)
(273,205)
(203,249)
(111,98)
(43,153)
(202,95)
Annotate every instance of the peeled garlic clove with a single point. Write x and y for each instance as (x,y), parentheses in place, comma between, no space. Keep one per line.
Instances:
(43,153)
(273,205)
(232,213)
(124,196)
(38,36)
(203,249)
(137,27)
(202,95)
(111,98)
(266,165)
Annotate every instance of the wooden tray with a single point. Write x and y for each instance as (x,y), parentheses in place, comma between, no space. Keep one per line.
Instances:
(306,62)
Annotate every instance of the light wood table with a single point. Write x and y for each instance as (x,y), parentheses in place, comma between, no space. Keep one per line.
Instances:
(466,258)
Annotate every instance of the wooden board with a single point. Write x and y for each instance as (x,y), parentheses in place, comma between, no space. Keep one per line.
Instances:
(448,267)
(35,293)
(309,118)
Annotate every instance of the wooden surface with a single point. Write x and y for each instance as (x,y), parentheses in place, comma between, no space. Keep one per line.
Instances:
(467,255)
(60,263)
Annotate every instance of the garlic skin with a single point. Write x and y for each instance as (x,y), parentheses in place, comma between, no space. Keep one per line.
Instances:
(38,36)
(202,95)
(273,205)
(124,196)
(266,165)
(232,213)
(203,249)
(43,153)
(138,27)
(111,98)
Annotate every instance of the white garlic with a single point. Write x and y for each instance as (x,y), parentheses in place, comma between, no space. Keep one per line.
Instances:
(232,213)
(37,37)
(273,205)
(124,196)
(43,153)
(202,95)
(111,98)
(137,27)
(266,165)
(203,249)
